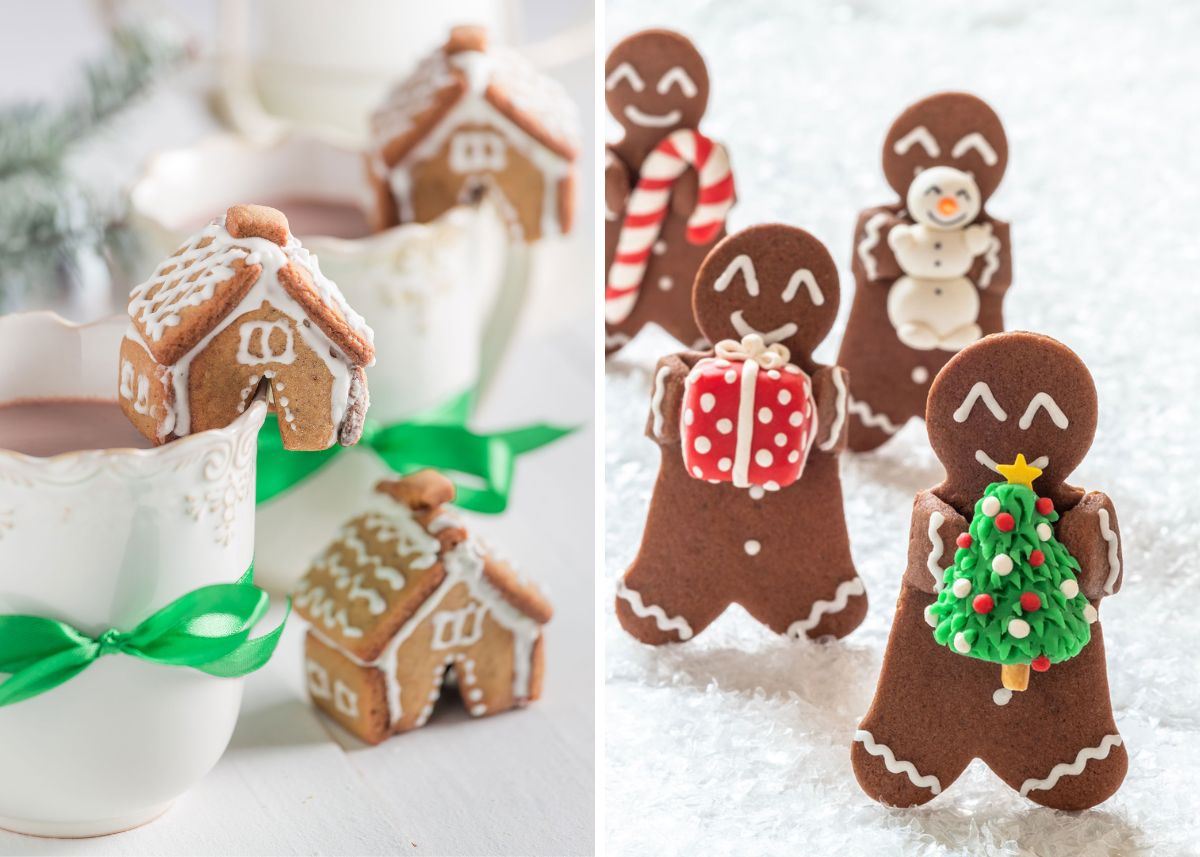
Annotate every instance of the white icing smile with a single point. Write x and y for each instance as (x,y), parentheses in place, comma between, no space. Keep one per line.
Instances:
(652,120)
(952,222)
(1041,462)
(770,337)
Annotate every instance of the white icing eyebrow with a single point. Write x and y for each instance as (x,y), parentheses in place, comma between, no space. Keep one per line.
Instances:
(976,141)
(804,277)
(624,71)
(678,76)
(980,391)
(1044,400)
(740,263)
(920,135)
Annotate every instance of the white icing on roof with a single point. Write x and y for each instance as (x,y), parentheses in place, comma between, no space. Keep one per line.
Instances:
(535,95)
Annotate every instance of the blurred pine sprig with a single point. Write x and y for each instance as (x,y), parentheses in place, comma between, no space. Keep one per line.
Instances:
(50,224)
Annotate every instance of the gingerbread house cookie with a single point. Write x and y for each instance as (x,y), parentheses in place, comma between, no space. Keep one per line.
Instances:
(474,119)
(242,306)
(402,598)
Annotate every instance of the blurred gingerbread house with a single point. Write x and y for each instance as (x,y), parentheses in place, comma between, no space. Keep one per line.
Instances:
(475,120)
(401,599)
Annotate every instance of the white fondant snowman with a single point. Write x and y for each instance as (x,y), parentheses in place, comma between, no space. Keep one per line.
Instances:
(934,305)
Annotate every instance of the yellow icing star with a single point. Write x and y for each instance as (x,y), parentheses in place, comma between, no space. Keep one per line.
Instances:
(1020,472)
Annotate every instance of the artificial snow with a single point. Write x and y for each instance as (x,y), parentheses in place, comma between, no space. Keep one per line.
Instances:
(739,741)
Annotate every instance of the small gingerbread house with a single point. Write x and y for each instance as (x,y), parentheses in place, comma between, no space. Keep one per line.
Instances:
(402,598)
(242,305)
(475,120)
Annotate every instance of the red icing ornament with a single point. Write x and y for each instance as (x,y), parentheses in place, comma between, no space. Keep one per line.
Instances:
(1005,522)
(1044,505)
(1040,664)
(774,407)
(1036,558)
(964,541)
(1030,602)
(983,603)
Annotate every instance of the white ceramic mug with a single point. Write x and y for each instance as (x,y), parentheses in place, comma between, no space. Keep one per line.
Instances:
(102,539)
(435,294)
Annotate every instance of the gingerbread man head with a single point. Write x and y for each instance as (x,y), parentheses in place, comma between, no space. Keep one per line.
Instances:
(655,82)
(950,129)
(773,280)
(1009,394)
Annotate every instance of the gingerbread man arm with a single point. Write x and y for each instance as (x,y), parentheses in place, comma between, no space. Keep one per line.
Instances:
(1089,531)
(618,182)
(831,388)
(874,260)
(936,525)
(666,398)
(992,269)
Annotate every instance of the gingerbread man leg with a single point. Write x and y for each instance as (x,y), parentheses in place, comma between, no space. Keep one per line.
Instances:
(907,750)
(1075,759)
(657,603)
(807,585)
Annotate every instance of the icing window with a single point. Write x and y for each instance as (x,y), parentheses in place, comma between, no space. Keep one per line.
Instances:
(452,628)
(477,151)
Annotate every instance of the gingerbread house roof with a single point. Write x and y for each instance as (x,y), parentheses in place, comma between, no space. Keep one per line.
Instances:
(248,251)
(388,565)
(465,69)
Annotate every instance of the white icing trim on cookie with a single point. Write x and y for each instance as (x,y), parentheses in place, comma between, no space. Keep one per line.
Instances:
(870,419)
(937,548)
(1114,557)
(991,263)
(660,390)
(1046,401)
(979,143)
(1074,769)
(846,589)
(742,263)
(929,781)
(664,623)
(745,425)
(869,242)
(981,390)
(680,77)
(803,277)
(625,71)
(919,135)
(839,383)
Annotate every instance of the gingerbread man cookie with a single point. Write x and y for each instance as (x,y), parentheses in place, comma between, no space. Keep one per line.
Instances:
(748,503)
(931,269)
(668,188)
(1007,565)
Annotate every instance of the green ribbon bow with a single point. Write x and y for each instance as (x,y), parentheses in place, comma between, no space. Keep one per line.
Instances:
(437,438)
(207,629)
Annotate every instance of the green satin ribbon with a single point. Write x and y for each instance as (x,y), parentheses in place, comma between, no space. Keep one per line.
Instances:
(437,438)
(208,629)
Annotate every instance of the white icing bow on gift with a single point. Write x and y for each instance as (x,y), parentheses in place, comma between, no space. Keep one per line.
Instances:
(753,348)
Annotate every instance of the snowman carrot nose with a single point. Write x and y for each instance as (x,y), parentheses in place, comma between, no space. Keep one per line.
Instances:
(947,206)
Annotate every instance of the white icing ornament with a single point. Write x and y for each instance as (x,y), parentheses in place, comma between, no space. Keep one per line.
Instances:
(1018,628)
(1044,531)
(930,620)
(961,587)
(1002,564)
(1069,588)
(1090,614)
(990,506)
(960,643)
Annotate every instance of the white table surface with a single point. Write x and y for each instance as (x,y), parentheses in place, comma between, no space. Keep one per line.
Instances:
(292,782)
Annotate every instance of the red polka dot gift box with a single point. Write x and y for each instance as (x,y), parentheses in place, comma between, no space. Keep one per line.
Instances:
(748,416)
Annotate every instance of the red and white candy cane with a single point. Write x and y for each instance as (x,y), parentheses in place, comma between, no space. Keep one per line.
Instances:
(647,209)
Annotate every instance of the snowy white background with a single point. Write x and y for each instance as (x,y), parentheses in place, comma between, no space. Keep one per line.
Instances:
(739,741)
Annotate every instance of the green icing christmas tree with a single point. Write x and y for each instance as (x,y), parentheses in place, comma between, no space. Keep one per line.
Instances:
(1011,596)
